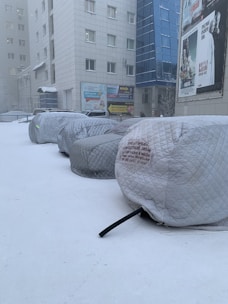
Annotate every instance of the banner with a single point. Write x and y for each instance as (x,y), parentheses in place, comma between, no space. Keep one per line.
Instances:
(93,96)
(119,93)
(203,46)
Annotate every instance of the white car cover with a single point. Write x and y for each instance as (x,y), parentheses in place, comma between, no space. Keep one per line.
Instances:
(95,156)
(79,129)
(45,127)
(176,169)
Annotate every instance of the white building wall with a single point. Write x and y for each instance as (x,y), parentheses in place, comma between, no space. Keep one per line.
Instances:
(71,49)
(14,50)
(40,73)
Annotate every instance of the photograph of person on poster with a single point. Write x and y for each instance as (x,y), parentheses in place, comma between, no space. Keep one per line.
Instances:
(187,65)
(206,52)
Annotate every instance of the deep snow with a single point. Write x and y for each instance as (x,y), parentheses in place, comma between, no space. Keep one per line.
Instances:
(50,251)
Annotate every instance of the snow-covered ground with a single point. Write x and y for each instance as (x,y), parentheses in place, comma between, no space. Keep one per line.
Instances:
(50,251)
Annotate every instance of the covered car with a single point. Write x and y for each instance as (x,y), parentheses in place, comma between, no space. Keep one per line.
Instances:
(176,169)
(95,156)
(78,129)
(45,127)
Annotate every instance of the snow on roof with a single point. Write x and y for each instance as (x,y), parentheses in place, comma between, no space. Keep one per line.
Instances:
(47,90)
(38,66)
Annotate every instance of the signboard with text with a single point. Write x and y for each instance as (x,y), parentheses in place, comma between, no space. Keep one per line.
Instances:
(203,46)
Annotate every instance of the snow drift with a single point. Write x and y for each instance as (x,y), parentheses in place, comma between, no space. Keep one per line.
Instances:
(176,169)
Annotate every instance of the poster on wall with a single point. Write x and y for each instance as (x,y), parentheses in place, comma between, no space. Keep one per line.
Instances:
(187,83)
(120,99)
(119,93)
(93,96)
(203,46)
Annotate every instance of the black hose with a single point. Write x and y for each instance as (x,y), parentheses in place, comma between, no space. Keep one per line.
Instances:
(123,219)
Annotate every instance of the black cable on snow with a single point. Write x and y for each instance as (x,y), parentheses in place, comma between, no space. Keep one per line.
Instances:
(123,219)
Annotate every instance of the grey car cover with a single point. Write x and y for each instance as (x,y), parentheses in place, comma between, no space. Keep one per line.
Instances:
(176,169)
(44,127)
(78,129)
(95,156)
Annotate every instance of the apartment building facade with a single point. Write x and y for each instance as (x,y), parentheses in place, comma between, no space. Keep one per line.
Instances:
(202,83)
(156,56)
(85,50)
(14,50)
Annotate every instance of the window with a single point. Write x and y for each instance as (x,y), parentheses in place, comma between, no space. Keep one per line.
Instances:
(9,40)
(90,6)
(21,27)
(145,96)
(45,53)
(52,50)
(43,5)
(22,57)
(36,14)
(164,14)
(111,40)
(51,4)
(46,75)
(131,18)
(38,57)
(130,44)
(111,67)
(90,36)
(37,36)
(53,73)
(9,25)
(8,8)
(112,12)
(90,65)
(51,24)
(130,70)
(44,30)
(166,41)
(10,55)
(21,42)
(20,12)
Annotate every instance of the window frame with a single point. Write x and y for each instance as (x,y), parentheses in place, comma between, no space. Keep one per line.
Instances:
(21,42)
(90,64)
(90,36)
(44,28)
(129,16)
(128,68)
(11,56)
(90,6)
(22,57)
(111,37)
(111,67)
(129,42)
(112,12)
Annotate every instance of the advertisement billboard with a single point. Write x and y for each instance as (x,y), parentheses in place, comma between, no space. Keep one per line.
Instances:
(114,98)
(119,93)
(120,99)
(203,46)
(93,96)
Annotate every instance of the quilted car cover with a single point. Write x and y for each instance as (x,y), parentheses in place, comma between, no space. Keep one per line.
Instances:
(44,127)
(176,169)
(95,156)
(78,129)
